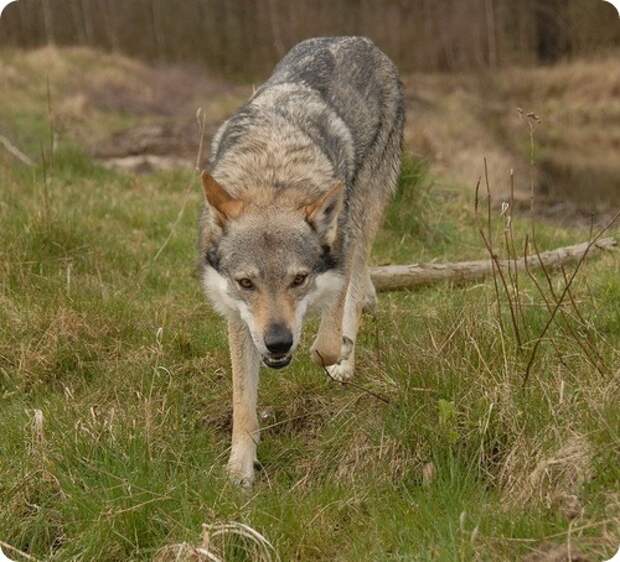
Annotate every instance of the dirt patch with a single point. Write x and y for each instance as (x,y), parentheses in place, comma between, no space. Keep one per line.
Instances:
(166,101)
(172,139)
(146,163)
(163,90)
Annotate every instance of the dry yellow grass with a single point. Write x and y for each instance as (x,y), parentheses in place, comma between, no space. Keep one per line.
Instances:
(455,120)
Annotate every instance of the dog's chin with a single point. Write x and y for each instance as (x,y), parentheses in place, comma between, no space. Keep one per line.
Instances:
(277,361)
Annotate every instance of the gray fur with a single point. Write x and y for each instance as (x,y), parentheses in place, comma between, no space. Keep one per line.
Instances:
(298,181)
(332,110)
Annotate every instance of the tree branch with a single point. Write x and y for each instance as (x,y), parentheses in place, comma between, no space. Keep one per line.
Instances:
(397,277)
(15,152)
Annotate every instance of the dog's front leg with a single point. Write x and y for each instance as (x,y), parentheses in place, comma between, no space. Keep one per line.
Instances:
(327,345)
(245,433)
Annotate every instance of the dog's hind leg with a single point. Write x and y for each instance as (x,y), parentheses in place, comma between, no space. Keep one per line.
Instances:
(245,431)
(370,300)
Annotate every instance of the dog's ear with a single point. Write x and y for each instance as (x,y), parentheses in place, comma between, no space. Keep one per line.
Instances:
(322,214)
(225,206)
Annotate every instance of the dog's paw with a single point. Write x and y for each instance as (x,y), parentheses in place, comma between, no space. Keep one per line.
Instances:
(240,467)
(344,369)
(241,476)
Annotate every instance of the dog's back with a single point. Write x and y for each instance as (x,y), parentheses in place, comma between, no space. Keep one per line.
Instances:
(342,94)
(354,79)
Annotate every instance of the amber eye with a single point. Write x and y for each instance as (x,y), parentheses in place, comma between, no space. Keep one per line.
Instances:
(245,283)
(299,280)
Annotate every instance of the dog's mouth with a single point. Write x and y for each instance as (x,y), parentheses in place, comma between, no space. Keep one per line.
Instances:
(277,361)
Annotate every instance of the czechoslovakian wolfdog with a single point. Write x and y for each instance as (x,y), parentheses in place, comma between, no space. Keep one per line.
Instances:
(297,182)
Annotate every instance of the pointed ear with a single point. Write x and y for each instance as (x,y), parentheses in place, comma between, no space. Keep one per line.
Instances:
(225,206)
(322,214)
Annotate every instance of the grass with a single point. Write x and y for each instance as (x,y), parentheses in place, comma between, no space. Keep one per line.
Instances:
(115,393)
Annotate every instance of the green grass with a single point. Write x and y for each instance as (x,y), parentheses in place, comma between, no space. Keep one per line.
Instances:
(129,368)
(109,337)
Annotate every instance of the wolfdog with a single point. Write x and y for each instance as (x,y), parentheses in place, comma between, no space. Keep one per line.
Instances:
(297,182)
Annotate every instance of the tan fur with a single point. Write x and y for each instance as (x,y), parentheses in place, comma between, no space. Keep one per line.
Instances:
(325,350)
(227,207)
(298,180)
(245,434)
(273,309)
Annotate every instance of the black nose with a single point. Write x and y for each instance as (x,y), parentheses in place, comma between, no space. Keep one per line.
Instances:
(278,339)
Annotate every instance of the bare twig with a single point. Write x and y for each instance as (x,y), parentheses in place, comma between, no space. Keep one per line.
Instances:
(542,293)
(531,275)
(559,302)
(200,118)
(488,188)
(513,251)
(489,245)
(7,546)
(46,193)
(16,152)
(532,120)
(477,195)
(569,327)
(51,121)
(498,267)
(583,321)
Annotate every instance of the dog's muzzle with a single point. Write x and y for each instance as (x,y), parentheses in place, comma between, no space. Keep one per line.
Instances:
(278,341)
(274,361)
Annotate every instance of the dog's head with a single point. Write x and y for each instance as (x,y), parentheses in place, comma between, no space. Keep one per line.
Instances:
(269,263)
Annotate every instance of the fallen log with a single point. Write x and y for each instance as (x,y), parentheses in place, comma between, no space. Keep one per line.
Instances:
(398,277)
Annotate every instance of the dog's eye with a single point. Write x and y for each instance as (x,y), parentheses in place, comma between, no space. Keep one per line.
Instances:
(299,280)
(245,283)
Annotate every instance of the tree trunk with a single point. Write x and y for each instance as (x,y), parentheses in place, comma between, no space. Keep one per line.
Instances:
(48,23)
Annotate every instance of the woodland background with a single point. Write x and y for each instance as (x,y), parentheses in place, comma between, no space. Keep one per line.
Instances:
(244,38)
